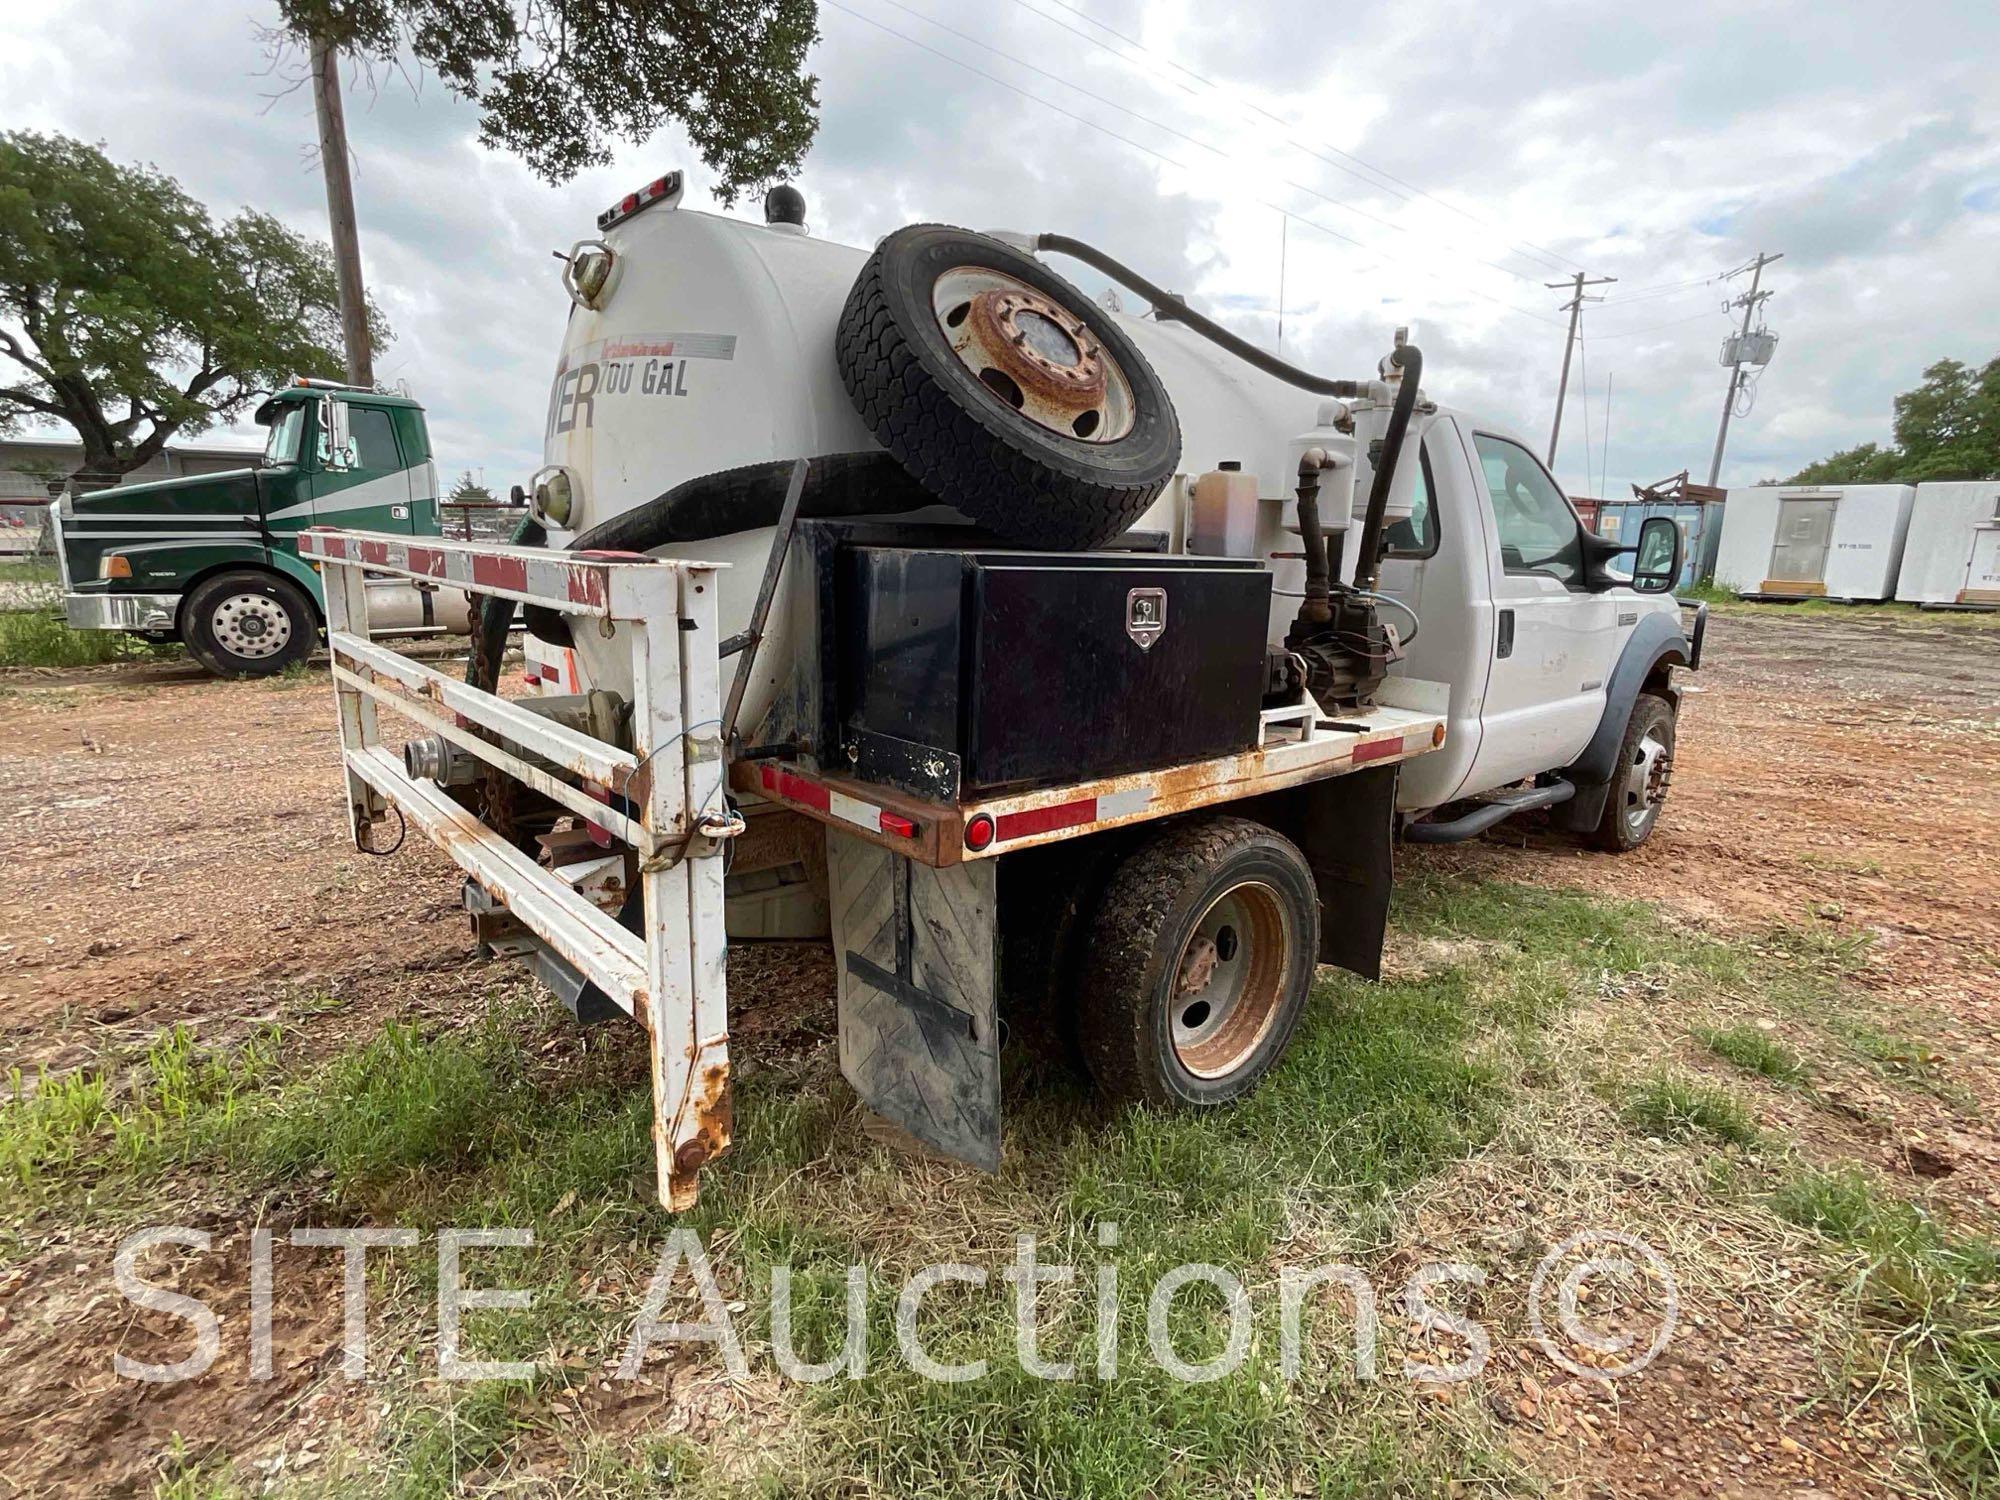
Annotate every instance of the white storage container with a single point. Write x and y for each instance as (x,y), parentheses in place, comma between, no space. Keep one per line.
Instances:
(1953,556)
(1814,541)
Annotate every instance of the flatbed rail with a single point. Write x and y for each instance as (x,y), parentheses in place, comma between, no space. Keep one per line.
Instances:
(670,975)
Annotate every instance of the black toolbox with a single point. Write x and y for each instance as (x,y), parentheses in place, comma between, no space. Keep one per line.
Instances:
(959,671)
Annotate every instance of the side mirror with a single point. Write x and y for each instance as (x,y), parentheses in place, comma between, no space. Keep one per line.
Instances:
(1656,560)
(336,441)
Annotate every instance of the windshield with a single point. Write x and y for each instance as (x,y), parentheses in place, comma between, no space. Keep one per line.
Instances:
(283,448)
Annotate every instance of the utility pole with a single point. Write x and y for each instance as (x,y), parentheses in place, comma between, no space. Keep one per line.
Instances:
(340,212)
(1574,307)
(1749,302)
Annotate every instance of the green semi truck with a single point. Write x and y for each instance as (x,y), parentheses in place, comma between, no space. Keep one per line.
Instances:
(212,560)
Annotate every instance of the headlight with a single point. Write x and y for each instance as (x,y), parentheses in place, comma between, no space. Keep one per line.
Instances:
(555,497)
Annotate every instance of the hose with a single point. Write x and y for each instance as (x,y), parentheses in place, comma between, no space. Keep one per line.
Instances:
(489,630)
(1368,561)
(1395,603)
(1169,308)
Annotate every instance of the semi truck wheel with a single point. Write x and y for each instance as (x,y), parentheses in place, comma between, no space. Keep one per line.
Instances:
(248,624)
(1201,956)
(1004,390)
(1639,785)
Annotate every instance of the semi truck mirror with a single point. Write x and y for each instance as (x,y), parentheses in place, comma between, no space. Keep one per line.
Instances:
(336,441)
(1656,562)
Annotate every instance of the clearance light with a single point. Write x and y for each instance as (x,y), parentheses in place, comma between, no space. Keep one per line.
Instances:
(978,832)
(668,186)
(899,825)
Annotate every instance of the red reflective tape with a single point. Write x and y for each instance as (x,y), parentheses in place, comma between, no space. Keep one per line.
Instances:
(427,560)
(795,789)
(1369,750)
(376,553)
(499,572)
(586,585)
(1016,825)
(899,825)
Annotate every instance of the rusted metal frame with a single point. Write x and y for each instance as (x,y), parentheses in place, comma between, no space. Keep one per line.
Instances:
(604,587)
(659,733)
(937,838)
(347,614)
(707,1126)
(572,749)
(586,936)
(554,788)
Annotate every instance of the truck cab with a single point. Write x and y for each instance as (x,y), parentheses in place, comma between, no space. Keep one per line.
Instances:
(1547,637)
(212,560)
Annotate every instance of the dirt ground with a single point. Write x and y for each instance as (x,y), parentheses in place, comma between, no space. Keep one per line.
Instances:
(176,852)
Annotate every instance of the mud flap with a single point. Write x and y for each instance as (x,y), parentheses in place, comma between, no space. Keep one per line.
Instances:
(1347,834)
(918,966)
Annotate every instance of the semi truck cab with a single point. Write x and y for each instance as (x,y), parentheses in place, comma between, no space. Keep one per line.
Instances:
(212,560)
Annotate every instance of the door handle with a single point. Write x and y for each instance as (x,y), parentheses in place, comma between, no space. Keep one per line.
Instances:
(399,512)
(1503,645)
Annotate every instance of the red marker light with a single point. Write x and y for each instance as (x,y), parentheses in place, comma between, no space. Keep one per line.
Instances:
(978,832)
(899,825)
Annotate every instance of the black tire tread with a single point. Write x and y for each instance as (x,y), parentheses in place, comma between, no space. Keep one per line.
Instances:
(1033,495)
(1610,834)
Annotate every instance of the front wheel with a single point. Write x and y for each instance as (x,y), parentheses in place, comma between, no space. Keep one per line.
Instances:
(1639,783)
(248,624)
(1201,957)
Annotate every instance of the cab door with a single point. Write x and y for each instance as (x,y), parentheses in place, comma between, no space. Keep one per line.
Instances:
(1554,641)
(371,491)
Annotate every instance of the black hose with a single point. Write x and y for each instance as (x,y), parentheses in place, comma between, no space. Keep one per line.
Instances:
(1368,561)
(743,499)
(732,500)
(1169,308)
(489,628)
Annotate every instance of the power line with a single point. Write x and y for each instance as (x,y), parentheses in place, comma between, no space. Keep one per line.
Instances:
(1574,307)
(1554,259)
(1179,134)
(1153,152)
(1632,333)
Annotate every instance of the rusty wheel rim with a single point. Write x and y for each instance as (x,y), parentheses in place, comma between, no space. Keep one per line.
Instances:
(1033,355)
(1230,980)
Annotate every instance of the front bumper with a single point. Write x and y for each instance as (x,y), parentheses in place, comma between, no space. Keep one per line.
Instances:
(146,612)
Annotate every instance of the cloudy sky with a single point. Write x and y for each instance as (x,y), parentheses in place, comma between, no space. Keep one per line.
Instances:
(1432,163)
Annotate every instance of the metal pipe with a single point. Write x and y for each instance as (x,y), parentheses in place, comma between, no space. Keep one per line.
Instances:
(1169,308)
(1317,608)
(1368,561)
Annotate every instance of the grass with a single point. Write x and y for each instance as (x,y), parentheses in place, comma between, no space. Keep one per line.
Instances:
(517,1119)
(1882,612)
(37,638)
(1754,1051)
(1672,1108)
(1936,1297)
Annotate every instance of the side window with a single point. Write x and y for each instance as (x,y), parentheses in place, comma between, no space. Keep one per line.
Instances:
(374,437)
(1539,533)
(1416,535)
(283,445)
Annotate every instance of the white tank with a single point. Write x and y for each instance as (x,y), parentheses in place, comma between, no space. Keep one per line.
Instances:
(713,347)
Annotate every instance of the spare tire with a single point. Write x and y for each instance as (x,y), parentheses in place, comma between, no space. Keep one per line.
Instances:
(1003,390)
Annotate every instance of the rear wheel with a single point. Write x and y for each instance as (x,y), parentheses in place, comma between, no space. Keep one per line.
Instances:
(248,624)
(1202,956)
(1639,784)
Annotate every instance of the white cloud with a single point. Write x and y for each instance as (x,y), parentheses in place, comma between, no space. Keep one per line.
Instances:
(1656,144)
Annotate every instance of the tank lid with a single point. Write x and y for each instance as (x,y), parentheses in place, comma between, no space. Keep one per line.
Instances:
(785,204)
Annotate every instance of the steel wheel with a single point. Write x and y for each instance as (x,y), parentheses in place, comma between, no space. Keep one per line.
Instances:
(1645,786)
(1033,353)
(1230,980)
(252,626)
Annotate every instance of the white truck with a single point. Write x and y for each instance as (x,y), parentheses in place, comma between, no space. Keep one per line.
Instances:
(1082,657)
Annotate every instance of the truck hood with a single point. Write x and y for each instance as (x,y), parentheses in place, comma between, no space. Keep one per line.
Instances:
(233,492)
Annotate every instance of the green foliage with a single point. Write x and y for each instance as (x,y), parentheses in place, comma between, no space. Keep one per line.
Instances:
(560,81)
(1946,428)
(36,638)
(1677,1109)
(128,313)
(466,490)
(1755,1052)
(1939,1295)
